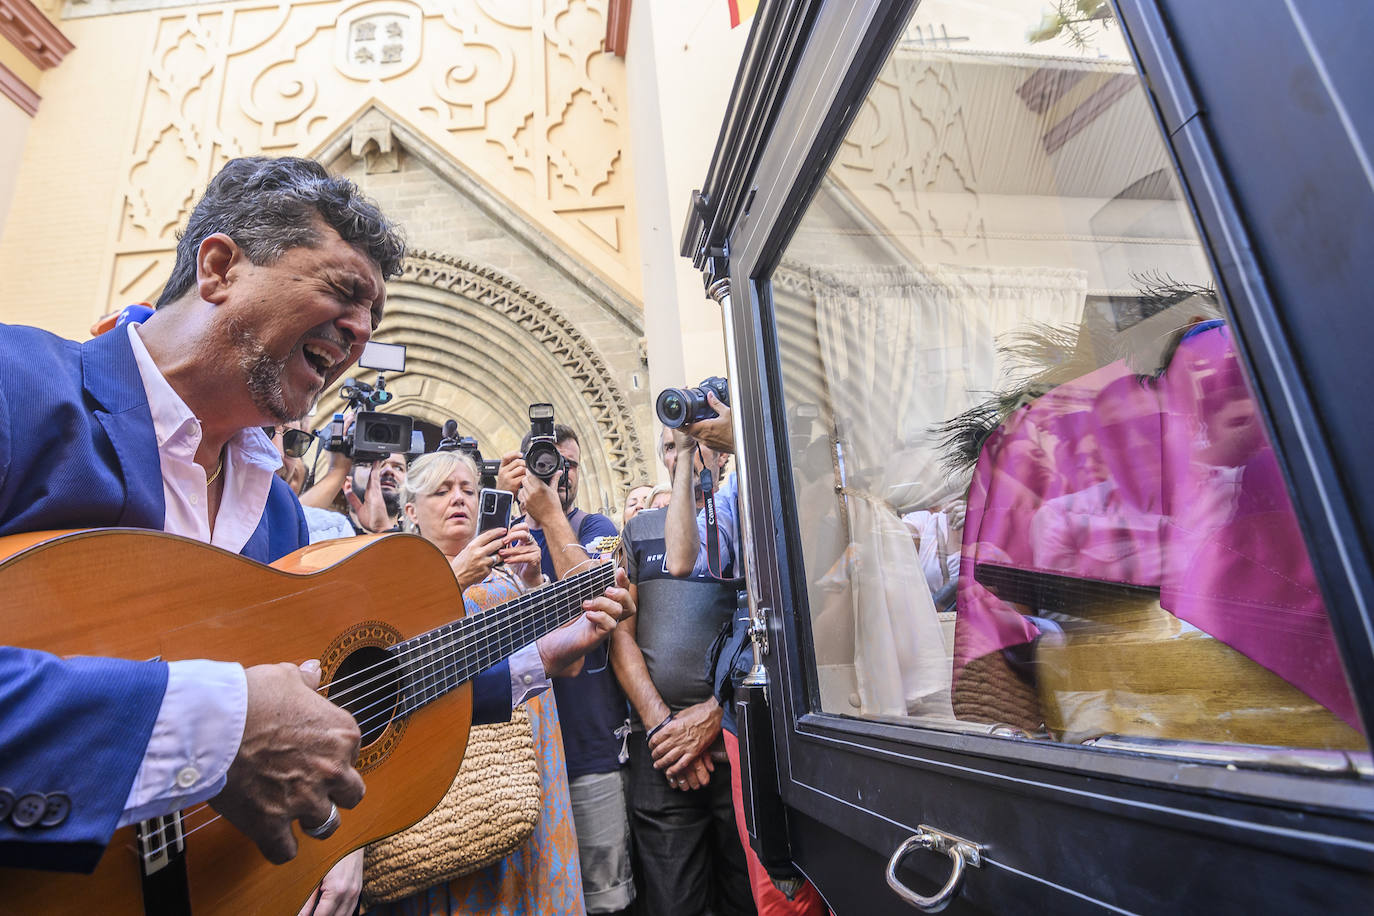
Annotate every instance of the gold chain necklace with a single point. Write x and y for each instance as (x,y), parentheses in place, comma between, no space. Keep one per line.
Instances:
(215,476)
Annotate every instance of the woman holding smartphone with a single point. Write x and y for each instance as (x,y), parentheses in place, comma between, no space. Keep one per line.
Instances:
(441,502)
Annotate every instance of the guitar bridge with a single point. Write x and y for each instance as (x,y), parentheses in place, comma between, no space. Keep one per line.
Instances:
(162,857)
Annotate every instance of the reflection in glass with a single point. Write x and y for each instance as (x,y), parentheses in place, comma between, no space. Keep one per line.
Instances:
(1033,487)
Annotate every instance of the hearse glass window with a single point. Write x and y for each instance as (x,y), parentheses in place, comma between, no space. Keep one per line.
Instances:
(1034,491)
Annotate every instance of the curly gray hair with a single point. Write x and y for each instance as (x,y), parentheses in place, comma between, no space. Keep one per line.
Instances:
(269,206)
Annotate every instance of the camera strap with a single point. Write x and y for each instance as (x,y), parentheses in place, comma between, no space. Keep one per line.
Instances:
(712,527)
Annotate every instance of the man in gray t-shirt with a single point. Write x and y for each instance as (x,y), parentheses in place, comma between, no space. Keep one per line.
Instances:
(684,829)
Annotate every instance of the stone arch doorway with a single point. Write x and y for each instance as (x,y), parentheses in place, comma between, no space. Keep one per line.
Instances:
(480,348)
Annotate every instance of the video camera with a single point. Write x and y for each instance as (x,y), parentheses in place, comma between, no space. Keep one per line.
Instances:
(542,457)
(452,442)
(684,406)
(374,434)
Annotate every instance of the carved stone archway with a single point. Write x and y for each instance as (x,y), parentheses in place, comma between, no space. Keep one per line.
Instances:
(480,348)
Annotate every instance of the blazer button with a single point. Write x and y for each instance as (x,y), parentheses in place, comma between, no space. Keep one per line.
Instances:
(59,805)
(28,810)
(6,803)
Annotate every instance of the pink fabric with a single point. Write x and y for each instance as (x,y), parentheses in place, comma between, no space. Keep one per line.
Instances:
(1170,484)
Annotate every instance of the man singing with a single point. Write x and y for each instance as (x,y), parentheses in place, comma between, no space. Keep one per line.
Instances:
(277,286)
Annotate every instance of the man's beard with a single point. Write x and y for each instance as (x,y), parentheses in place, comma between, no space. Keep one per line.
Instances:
(566,496)
(262,373)
(391,499)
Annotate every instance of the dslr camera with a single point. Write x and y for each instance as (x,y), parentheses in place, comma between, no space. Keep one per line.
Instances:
(452,442)
(542,457)
(374,434)
(684,406)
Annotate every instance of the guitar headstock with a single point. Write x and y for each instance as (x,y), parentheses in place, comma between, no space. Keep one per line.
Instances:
(605,546)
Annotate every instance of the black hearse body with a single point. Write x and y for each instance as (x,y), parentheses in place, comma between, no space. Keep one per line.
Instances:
(1049,334)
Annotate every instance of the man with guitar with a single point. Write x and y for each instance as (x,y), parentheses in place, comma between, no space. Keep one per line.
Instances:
(277,286)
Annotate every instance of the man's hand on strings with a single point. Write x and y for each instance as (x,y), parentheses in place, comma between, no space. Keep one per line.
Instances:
(295,760)
(562,650)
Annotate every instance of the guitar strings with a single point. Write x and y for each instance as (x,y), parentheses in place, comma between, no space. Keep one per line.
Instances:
(505,629)
(457,625)
(463,643)
(574,588)
(569,586)
(572,582)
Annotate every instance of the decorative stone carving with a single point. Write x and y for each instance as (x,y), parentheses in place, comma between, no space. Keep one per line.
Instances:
(372,140)
(518,91)
(378,40)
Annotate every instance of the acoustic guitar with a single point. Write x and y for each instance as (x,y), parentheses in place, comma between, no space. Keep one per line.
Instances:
(379,614)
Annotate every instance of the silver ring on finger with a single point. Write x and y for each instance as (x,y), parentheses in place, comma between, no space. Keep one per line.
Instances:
(325,830)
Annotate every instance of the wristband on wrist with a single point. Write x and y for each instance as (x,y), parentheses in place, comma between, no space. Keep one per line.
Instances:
(649,735)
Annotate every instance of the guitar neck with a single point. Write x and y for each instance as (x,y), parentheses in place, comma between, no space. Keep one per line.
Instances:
(440,660)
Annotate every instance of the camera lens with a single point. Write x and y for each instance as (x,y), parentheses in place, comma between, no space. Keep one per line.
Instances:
(672,407)
(543,460)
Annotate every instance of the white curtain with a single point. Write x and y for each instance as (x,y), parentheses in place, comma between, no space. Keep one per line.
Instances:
(903,350)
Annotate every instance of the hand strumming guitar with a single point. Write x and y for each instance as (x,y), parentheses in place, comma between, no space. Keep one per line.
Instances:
(295,759)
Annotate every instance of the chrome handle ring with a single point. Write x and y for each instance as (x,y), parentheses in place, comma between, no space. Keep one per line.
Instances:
(923,839)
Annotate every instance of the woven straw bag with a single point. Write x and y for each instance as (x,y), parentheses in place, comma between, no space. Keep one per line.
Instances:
(490,809)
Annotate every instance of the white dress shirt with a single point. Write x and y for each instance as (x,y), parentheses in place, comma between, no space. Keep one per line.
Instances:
(200,723)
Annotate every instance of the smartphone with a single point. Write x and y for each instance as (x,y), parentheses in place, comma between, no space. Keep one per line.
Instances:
(493,509)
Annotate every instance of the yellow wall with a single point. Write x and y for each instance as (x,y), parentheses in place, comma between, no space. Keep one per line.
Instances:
(57,237)
(14,130)
(21,66)
(150,105)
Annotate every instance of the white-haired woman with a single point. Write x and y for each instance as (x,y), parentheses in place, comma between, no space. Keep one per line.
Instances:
(543,875)
(439,502)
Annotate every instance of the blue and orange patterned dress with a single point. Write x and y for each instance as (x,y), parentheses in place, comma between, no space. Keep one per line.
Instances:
(542,876)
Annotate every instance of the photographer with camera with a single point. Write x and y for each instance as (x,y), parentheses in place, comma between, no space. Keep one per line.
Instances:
(704,425)
(370,492)
(591,706)
(688,414)
(680,797)
(367,448)
(380,484)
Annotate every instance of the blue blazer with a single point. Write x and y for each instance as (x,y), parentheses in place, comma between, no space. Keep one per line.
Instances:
(78,450)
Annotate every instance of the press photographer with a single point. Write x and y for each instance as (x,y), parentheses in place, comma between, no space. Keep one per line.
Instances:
(680,780)
(368,450)
(591,705)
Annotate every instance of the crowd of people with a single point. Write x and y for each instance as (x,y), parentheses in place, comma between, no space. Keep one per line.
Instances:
(193,421)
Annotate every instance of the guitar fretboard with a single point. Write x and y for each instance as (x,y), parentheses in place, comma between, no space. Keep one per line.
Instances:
(440,660)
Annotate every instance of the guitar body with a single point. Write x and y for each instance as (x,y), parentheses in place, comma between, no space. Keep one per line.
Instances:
(141,594)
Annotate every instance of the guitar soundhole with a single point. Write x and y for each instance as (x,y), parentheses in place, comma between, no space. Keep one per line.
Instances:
(367,684)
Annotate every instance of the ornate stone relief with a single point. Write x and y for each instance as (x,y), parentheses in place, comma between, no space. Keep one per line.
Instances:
(908,143)
(518,91)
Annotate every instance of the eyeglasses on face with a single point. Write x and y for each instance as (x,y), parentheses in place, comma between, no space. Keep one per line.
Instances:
(294,442)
